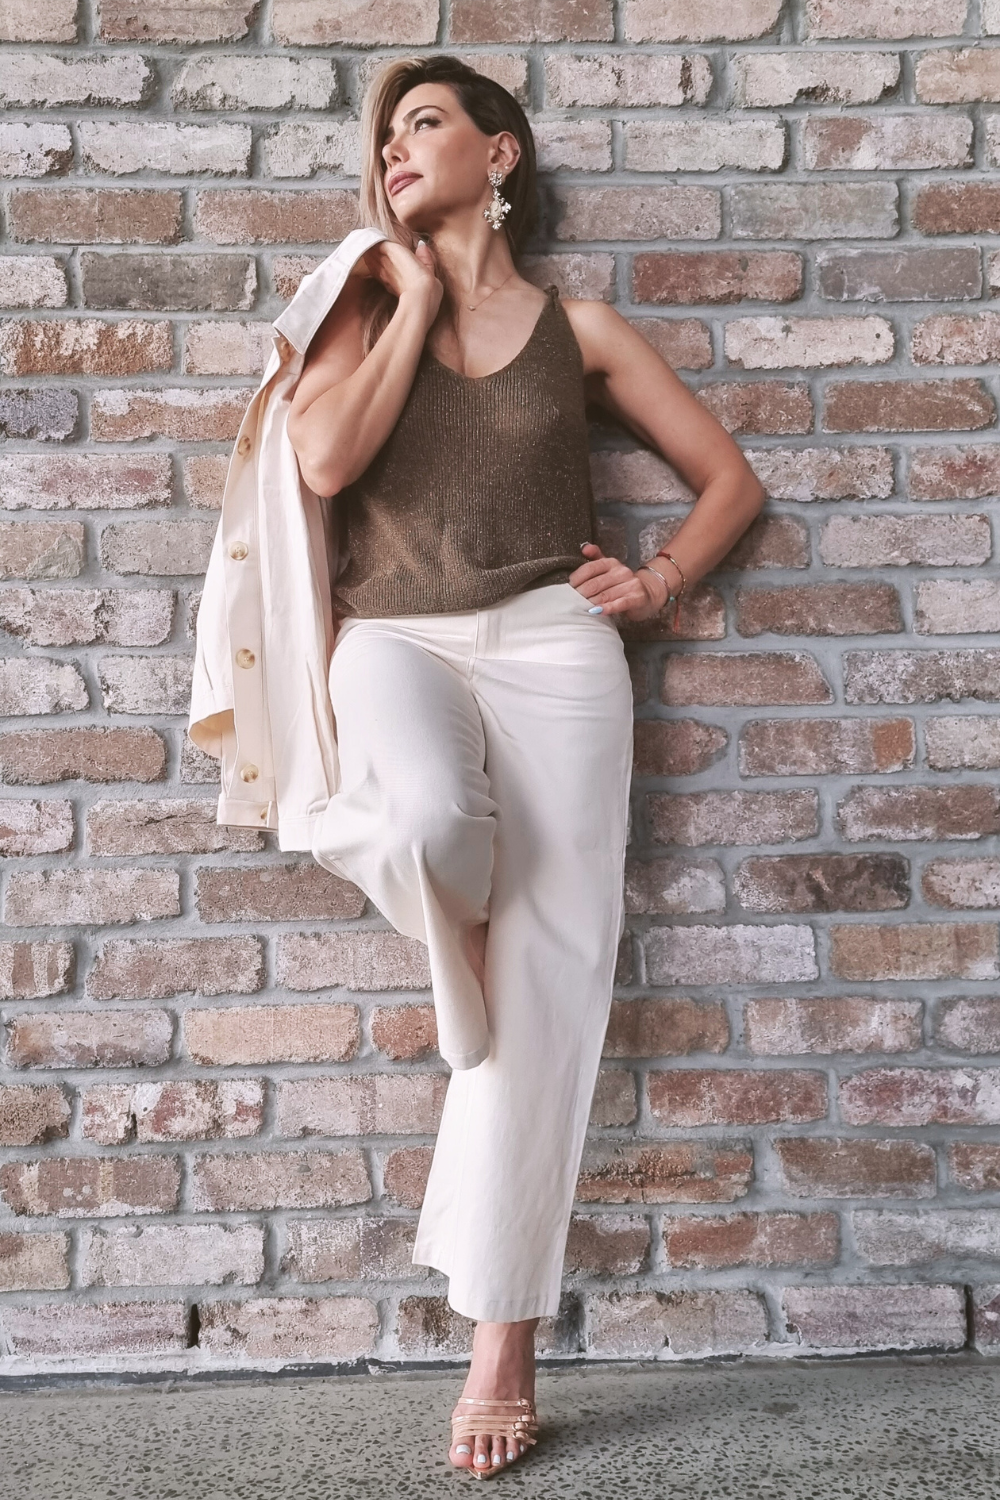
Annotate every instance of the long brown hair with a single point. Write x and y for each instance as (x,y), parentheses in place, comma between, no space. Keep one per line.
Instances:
(490,107)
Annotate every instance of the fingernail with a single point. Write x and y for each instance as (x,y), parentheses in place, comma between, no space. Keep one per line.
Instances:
(596,609)
(584,544)
(463,1448)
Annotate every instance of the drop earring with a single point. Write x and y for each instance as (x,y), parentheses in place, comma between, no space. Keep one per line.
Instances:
(496,209)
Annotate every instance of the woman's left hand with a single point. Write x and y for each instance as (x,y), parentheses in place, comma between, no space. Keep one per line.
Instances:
(613,585)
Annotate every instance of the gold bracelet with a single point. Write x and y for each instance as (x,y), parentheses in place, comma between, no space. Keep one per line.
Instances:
(671,558)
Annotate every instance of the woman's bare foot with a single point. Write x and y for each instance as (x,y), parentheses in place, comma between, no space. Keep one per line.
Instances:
(502,1368)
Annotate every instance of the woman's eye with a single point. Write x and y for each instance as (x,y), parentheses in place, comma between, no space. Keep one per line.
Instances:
(425,120)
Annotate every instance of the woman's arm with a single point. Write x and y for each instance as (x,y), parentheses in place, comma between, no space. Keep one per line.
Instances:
(345,403)
(625,375)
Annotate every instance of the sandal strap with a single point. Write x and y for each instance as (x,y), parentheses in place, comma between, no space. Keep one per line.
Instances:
(514,1419)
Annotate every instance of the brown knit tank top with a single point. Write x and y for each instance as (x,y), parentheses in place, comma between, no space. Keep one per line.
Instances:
(482,488)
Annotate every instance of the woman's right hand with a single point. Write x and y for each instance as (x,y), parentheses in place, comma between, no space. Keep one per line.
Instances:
(406,273)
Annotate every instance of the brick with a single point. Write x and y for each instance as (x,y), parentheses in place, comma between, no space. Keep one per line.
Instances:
(204,479)
(915,950)
(176,282)
(885,1238)
(298,148)
(902,274)
(703,618)
(88,1039)
(957,208)
(889,19)
(30,757)
(172,1255)
(819,609)
(762,79)
(115,1114)
(90,216)
(891,143)
(907,406)
(814,210)
(684,343)
(636,478)
(963,884)
(668,886)
(329,1328)
(241,81)
(404,1175)
(975,1165)
(686,1324)
(32,686)
(920,676)
(32,281)
(259,1181)
(683,277)
(404,1032)
(707,145)
(144,685)
(64,617)
(969,1024)
(676,747)
(744,677)
(985,1317)
(34,827)
(81,896)
(355,1249)
(120,1329)
(665,1028)
(775,343)
(48,414)
(226,348)
(709,1242)
(245,216)
(478,21)
(607,1245)
(818,747)
(261,1034)
(948,339)
(666,1172)
(318,23)
(280,893)
(636,213)
(955,606)
(31,1114)
(782,1027)
(430,1326)
(828,1167)
(364,1104)
(121,147)
(38,21)
(699,20)
(159,968)
(91,1187)
(352,961)
(823,473)
(693,818)
(84,481)
(919,812)
(38,80)
(876,1317)
(760,406)
(922,1096)
(34,1262)
(737,954)
(30,149)
(968,741)
(822,882)
(85,346)
(186,414)
(171,21)
(960,473)
(966,75)
(688,1097)
(626,80)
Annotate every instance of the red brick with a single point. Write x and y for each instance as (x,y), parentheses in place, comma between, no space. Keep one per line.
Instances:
(691,1323)
(665,1028)
(877,1317)
(846,1023)
(121,1329)
(957,208)
(975,1165)
(404,1175)
(31,1114)
(684,277)
(327,1328)
(607,1245)
(744,677)
(817,747)
(93,1186)
(922,1096)
(828,1167)
(759,406)
(250,1181)
(891,19)
(34,1262)
(694,818)
(666,1172)
(822,882)
(751,1239)
(686,1097)
(919,812)
(921,676)
(675,747)
(404,1032)
(819,609)
(907,406)
(915,950)
(272,1033)
(969,1024)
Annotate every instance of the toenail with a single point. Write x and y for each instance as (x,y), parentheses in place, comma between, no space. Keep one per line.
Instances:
(481,1458)
(496,1458)
(522,1447)
(462,1448)
(511,1453)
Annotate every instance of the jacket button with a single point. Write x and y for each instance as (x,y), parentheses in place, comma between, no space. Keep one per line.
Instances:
(249,773)
(239,550)
(243,446)
(245,658)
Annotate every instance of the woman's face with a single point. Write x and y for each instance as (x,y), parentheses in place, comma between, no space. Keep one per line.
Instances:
(436,159)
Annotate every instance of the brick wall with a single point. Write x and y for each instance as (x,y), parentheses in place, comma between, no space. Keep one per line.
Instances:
(218,1084)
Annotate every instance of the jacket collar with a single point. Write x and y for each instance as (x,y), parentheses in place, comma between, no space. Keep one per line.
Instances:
(318,291)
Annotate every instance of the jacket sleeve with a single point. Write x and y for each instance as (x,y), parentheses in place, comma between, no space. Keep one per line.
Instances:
(211,717)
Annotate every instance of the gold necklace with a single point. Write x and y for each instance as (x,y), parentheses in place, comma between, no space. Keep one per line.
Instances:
(473,305)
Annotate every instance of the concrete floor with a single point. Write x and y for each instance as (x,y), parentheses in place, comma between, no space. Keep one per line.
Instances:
(922,1428)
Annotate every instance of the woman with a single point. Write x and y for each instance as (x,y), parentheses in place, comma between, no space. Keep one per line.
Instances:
(478,681)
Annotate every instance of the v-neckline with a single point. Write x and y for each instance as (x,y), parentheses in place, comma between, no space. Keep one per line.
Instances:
(492,374)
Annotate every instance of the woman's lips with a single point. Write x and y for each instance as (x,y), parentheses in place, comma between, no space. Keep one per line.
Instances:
(402,182)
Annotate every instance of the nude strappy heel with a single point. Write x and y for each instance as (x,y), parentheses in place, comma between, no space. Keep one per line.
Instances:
(517,1421)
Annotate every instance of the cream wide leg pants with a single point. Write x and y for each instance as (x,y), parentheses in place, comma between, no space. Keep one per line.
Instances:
(485,761)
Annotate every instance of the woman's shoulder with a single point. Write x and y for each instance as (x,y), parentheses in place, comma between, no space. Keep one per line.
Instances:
(598,327)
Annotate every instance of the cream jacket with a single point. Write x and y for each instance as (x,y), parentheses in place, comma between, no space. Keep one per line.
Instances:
(260,701)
